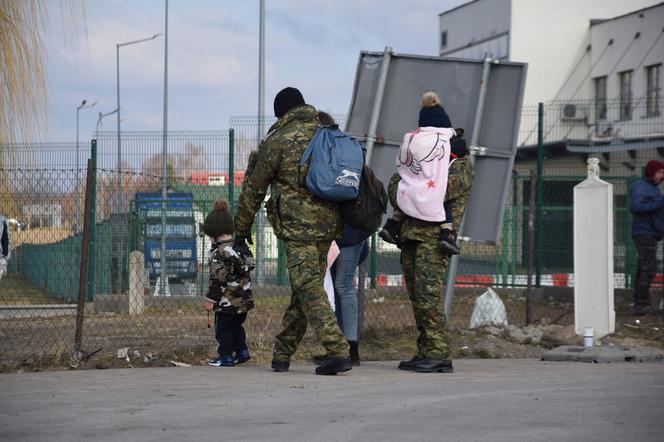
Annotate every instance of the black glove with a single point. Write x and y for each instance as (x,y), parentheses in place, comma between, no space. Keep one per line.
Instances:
(240,244)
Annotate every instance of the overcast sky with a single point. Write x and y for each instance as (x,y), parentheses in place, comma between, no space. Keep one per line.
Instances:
(213,57)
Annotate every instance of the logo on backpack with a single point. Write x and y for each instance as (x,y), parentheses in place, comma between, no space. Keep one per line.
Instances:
(335,164)
(349,178)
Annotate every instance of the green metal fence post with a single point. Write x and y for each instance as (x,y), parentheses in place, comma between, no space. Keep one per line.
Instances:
(231,169)
(538,194)
(630,250)
(502,261)
(93,223)
(515,214)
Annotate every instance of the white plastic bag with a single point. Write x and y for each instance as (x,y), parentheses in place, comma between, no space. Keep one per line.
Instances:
(489,310)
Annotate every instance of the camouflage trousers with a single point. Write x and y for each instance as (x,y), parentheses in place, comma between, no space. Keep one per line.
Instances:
(306,262)
(424,269)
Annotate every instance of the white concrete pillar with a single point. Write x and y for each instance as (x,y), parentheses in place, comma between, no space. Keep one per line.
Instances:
(136,281)
(593,255)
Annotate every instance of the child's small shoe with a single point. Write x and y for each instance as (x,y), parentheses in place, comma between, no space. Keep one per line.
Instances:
(242,356)
(222,361)
(390,231)
(448,242)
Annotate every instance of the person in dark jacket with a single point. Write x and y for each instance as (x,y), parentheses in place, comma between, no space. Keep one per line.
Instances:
(647,207)
(353,249)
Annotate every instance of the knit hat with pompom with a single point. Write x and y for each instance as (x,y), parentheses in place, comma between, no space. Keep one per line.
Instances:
(432,113)
(219,221)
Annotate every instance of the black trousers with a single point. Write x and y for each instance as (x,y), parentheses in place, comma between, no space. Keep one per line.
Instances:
(230,333)
(646,247)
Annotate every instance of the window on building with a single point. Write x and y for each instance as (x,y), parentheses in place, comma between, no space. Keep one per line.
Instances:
(443,39)
(653,91)
(600,98)
(625,79)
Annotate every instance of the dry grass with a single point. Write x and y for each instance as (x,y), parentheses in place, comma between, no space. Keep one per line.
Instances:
(40,235)
(177,331)
(16,290)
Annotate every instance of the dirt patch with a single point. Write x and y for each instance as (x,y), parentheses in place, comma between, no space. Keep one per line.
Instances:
(178,333)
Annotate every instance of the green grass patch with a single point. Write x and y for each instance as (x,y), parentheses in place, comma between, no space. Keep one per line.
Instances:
(15,289)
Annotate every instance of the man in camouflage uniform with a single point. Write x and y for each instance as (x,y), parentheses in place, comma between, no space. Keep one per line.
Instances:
(305,223)
(424,267)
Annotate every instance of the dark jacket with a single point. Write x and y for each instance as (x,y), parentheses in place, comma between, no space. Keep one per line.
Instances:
(646,203)
(4,238)
(352,235)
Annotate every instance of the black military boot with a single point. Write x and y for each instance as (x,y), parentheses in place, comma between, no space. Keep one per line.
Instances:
(334,366)
(408,365)
(354,353)
(390,231)
(448,242)
(430,365)
(280,366)
(320,359)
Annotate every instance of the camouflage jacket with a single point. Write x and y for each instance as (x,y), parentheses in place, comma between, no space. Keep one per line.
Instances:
(459,183)
(230,283)
(294,212)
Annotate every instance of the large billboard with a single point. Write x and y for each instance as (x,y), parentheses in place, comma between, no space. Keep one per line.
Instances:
(387,92)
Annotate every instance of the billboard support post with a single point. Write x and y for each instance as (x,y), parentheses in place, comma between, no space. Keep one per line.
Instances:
(477,124)
(378,103)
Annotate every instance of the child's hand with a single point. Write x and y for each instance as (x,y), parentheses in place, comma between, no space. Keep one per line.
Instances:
(209,306)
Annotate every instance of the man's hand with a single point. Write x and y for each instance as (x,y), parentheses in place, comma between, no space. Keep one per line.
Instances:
(240,244)
(209,306)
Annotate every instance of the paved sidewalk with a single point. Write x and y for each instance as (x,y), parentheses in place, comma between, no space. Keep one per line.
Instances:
(497,400)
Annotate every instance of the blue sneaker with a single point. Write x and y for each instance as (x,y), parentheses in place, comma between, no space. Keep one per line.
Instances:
(222,361)
(242,356)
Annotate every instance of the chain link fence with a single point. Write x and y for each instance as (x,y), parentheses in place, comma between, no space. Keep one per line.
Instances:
(43,192)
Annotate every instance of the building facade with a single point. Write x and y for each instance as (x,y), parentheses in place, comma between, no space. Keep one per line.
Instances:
(596,65)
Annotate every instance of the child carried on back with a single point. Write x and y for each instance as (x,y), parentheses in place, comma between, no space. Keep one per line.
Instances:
(423,163)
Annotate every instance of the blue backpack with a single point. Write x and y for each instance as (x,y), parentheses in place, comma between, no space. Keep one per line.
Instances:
(336,164)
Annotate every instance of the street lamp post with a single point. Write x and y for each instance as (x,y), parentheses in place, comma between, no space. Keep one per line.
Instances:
(116,251)
(83,105)
(117,67)
(101,117)
(163,273)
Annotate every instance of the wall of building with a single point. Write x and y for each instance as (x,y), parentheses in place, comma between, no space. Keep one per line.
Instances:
(552,36)
(476,28)
(626,52)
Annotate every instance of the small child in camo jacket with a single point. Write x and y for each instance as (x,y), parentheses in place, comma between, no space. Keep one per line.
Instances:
(229,292)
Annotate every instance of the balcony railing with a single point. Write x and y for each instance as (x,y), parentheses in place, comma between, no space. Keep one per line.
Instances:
(593,121)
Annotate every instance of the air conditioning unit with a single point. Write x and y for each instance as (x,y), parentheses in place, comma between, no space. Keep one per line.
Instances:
(573,112)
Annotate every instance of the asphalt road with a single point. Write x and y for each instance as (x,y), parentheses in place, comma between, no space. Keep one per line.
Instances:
(497,400)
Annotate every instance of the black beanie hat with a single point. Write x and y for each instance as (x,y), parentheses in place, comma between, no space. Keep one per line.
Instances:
(287,99)
(219,221)
(432,114)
